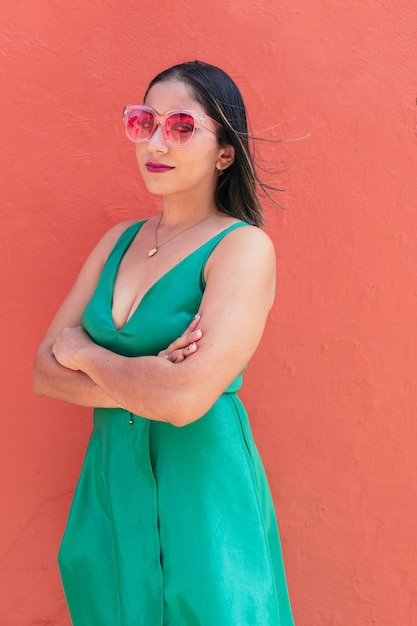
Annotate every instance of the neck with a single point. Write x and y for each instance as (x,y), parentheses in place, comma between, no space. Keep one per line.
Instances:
(178,211)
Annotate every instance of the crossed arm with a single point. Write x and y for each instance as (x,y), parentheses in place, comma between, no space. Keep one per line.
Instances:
(240,278)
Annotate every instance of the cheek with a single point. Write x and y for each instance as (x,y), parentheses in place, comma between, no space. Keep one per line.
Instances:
(142,157)
(203,161)
(139,152)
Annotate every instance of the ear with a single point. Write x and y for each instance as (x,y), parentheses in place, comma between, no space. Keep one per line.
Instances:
(225,158)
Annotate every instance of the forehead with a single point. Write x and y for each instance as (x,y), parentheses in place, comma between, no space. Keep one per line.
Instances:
(172,94)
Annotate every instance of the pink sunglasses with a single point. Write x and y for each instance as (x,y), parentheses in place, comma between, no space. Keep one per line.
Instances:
(178,125)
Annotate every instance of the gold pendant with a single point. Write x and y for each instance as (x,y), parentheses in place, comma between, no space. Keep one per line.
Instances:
(153,251)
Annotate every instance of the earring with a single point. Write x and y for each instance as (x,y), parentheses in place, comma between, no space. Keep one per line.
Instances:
(220,172)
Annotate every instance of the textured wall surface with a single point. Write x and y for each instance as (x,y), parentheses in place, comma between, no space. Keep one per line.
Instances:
(332,390)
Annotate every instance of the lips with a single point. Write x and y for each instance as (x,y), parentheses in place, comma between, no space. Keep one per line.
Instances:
(157,168)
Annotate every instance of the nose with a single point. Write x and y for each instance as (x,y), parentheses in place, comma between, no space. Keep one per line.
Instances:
(157,142)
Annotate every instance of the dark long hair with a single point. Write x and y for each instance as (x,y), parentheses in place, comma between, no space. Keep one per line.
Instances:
(236,192)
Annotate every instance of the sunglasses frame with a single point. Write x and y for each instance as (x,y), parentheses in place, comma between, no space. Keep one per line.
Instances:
(160,120)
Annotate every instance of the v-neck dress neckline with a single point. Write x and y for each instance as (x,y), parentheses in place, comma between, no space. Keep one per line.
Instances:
(131,233)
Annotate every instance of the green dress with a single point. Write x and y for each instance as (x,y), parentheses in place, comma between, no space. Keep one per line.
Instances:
(170,526)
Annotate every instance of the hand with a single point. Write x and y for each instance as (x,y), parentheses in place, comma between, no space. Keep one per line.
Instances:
(67,344)
(185,345)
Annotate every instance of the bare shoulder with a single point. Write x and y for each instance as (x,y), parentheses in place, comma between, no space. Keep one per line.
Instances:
(93,265)
(109,239)
(119,228)
(242,263)
(106,243)
(248,245)
(247,238)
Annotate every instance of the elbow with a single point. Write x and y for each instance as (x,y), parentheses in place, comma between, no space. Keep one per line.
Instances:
(184,419)
(179,420)
(39,379)
(189,408)
(38,386)
(181,403)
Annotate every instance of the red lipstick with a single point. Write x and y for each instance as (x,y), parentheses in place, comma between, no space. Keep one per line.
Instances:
(157,168)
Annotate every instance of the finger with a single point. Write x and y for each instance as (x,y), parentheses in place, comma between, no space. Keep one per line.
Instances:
(182,342)
(186,352)
(177,356)
(178,344)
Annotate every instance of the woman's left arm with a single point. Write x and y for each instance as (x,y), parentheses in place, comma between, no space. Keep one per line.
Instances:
(240,285)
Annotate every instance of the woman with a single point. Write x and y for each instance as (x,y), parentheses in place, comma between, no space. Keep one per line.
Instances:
(172,521)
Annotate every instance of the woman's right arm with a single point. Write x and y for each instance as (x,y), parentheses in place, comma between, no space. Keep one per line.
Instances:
(49,377)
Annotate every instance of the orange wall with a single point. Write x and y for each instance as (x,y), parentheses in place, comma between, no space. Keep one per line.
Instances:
(332,391)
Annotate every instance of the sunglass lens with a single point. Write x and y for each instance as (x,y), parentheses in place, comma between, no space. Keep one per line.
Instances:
(140,124)
(179,127)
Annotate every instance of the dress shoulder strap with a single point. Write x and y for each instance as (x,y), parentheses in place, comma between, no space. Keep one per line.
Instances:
(210,245)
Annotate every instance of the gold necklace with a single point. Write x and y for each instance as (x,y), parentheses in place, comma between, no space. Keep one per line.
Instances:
(156,247)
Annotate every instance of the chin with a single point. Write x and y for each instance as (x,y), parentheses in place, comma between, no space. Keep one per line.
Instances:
(158,187)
